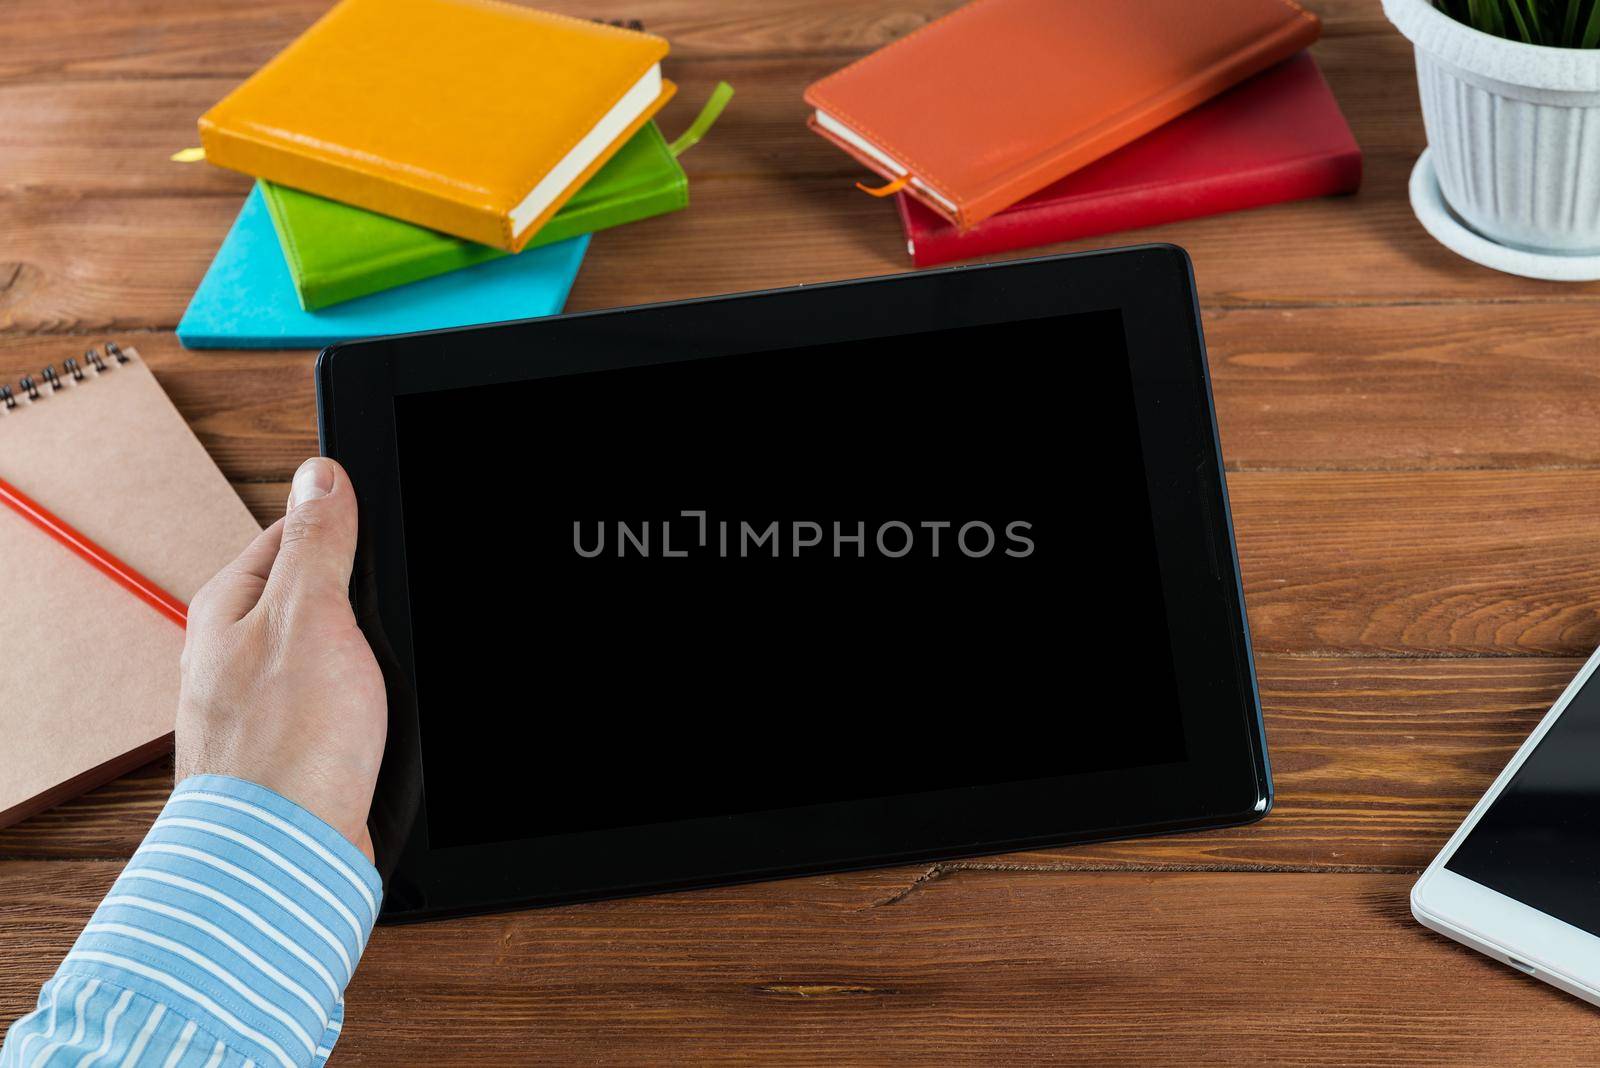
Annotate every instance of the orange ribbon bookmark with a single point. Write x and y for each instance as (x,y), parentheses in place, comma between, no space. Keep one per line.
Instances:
(885,190)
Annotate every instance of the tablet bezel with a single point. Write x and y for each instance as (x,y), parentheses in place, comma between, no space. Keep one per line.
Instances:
(1227,782)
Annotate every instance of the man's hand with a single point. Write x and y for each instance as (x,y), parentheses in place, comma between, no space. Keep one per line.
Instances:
(279,685)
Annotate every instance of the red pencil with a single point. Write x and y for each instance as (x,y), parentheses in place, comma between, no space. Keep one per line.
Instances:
(119,572)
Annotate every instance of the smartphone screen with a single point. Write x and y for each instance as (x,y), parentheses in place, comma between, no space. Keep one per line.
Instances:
(1539,843)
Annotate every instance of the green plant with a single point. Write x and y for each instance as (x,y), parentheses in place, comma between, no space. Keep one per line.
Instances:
(1558,23)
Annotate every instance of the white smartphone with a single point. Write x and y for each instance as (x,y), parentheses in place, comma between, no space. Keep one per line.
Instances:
(1520,878)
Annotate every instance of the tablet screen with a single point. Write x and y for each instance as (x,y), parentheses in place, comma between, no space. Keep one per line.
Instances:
(750,582)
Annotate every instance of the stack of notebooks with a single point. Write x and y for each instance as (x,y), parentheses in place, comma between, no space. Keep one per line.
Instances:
(431,163)
(1014,123)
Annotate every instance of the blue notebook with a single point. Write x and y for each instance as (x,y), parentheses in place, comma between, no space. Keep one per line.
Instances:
(247,299)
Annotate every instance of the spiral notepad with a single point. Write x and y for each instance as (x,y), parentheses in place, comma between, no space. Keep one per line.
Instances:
(91,679)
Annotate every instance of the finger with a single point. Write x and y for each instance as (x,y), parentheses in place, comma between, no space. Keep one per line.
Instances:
(256,560)
(236,588)
(319,535)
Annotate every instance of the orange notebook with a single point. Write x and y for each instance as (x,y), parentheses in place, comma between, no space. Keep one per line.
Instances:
(1000,98)
(477,118)
(90,684)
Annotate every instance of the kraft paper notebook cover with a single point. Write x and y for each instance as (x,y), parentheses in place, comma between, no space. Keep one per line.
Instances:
(1278,136)
(247,298)
(475,117)
(336,252)
(91,685)
(998,99)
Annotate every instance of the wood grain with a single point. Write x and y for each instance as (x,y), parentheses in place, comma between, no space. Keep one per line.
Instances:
(1481,386)
(169,38)
(105,823)
(961,963)
(1445,563)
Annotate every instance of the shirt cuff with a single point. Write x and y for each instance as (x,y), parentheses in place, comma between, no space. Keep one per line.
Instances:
(242,912)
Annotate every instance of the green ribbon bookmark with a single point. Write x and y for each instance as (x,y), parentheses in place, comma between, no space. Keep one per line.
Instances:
(703,122)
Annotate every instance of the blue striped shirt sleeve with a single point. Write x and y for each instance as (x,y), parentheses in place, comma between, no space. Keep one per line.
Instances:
(227,941)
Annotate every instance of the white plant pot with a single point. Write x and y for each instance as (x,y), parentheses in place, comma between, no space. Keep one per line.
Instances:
(1513,129)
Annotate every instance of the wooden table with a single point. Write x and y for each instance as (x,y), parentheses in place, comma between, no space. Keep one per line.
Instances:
(1413,448)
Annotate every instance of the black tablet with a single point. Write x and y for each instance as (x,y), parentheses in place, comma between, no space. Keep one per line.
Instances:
(816,578)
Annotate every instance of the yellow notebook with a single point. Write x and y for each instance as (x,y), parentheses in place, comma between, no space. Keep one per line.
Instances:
(478,118)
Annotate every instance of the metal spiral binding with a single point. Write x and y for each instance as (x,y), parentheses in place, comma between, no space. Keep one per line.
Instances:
(28,386)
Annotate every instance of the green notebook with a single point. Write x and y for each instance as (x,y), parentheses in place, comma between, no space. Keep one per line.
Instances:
(337,252)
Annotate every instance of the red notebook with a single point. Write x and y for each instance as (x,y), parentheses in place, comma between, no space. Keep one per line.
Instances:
(1278,136)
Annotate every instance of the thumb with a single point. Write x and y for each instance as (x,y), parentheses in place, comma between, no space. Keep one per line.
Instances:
(319,535)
